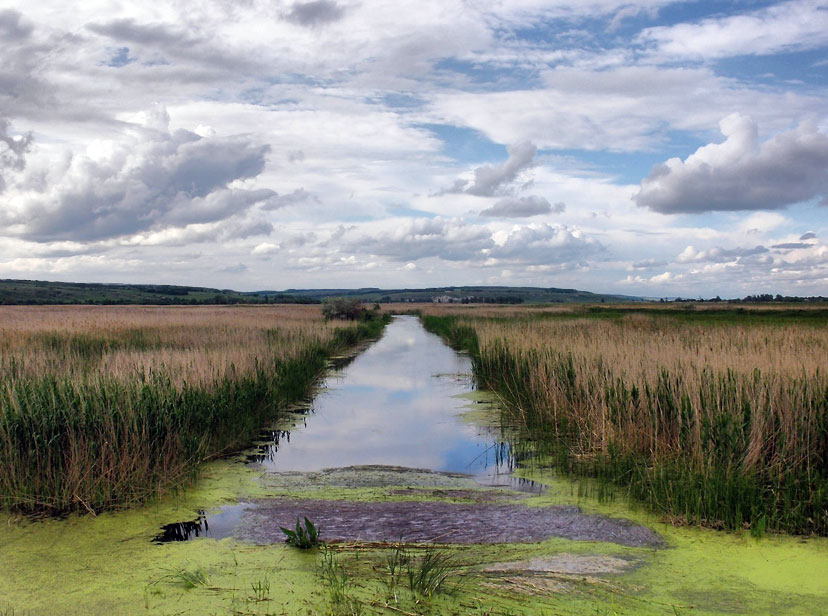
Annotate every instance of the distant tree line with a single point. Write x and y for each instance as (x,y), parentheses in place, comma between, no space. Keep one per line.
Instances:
(176,300)
(760,298)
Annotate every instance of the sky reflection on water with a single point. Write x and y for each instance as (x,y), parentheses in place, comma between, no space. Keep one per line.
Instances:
(395,404)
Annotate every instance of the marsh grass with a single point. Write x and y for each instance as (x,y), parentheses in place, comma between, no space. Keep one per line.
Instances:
(102,407)
(339,584)
(717,418)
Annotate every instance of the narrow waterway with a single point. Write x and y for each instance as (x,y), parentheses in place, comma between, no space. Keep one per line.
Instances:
(399,403)
(396,404)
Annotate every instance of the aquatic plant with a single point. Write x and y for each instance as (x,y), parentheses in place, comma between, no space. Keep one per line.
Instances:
(716,417)
(261,589)
(427,574)
(303,537)
(338,581)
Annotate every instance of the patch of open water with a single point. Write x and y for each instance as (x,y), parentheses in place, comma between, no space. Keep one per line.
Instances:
(396,404)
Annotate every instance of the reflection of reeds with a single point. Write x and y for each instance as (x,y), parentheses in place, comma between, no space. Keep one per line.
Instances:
(104,406)
(721,420)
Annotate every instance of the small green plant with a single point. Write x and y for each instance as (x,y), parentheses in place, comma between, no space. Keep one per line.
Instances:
(396,562)
(261,589)
(429,574)
(757,529)
(303,537)
(337,580)
(190,578)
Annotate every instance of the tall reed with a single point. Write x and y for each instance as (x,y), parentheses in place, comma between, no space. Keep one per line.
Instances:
(103,407)
(720,422)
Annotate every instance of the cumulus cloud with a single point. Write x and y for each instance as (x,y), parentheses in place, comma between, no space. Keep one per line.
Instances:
(523,207)
(718,255)
(544,244)
(740,173)
(221,231)
(810,235)
(647,264)
(448,239)
(489,180)
(150,180)
(456,240)
(315,13)
(658,279)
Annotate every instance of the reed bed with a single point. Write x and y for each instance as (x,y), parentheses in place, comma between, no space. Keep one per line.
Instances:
(102,407)
(717,421)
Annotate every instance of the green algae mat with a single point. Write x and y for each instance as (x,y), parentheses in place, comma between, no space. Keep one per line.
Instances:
(608,559)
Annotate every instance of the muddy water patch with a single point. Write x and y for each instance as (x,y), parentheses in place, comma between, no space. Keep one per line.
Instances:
(437,522)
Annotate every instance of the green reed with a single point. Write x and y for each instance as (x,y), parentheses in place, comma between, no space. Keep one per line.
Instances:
(702,444)
(82,440)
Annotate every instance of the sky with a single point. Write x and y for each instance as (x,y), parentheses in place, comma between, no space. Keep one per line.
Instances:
(657,148)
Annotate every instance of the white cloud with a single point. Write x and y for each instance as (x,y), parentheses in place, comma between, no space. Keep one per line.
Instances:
(149,180)
(718,255)
(522,207)
(740,173)
(782,27)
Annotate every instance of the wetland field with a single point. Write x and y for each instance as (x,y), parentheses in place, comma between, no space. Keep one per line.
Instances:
(556,460)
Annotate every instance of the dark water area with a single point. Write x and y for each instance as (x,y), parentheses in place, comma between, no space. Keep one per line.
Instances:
(399,403)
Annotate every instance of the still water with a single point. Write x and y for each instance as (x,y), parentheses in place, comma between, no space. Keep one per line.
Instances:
(397,404)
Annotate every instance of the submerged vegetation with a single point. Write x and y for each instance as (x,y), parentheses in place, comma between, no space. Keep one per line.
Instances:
(103,407)
(715,417)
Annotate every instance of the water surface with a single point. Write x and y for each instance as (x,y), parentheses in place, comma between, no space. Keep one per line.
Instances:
(396,404)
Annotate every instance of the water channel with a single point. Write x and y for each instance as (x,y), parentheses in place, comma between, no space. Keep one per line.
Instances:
(398,403)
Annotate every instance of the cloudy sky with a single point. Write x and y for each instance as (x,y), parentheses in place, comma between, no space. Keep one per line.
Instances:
(644,147)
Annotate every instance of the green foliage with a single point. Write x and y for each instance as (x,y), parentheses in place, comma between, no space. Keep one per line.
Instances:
(190,578)
(343,308)
(429,573)
(302,537)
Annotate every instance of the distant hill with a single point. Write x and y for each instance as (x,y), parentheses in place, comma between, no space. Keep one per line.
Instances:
(473,294)
(42,292)
(32,292)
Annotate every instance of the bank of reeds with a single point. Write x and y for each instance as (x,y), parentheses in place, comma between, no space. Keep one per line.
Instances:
(102,407)
(721,422)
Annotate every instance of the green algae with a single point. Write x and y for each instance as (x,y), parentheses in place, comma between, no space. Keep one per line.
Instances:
(107,564)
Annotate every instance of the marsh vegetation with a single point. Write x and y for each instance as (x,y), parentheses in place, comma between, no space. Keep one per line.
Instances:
(103,407)
(715,417)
